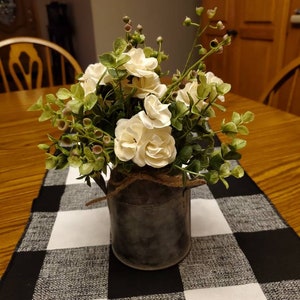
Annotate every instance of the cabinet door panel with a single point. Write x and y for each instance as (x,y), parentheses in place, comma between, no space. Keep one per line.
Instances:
(256,52)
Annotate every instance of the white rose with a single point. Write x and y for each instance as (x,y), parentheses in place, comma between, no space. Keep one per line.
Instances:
(211,78)
(190,90)
(157,115)
(92,75)
(147,85)
(156,148)
(139,65)
(153,147)
(128,133)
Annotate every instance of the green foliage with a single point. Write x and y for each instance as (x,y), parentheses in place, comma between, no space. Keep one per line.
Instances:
(88,120)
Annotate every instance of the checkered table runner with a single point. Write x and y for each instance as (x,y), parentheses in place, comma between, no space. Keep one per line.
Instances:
(241,249)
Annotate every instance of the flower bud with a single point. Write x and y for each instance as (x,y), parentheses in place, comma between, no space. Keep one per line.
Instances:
(139,28)
(187,21)
(211,12)
(106,139)
(97,149)
(214,43)
(62,125)
(202,51)
(199,10)
(98,134)
(220,25)
(87,122)
(159,39)
(126,19)
(127,27)
(227,39)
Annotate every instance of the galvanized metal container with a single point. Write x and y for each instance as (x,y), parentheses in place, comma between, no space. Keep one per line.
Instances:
(150,224)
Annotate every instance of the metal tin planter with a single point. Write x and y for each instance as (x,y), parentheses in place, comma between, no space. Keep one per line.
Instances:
(150,224)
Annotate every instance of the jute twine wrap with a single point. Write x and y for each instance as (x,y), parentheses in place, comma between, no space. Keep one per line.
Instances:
(160,178)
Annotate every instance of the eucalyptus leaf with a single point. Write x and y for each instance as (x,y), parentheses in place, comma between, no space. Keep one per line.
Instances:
(242,129)
(90,101)
(86,168)
(120,46)
(37,105)
(223,88)
(248,117)
(63,94)
(237,172)
(108,60)
(229,128)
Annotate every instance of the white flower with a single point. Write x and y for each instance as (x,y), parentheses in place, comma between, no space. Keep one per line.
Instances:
(152,147)
(139,65)
(157,115)
(91,76)
(212,79)
(128,133)
(156,149)
(148,85)
(190,91)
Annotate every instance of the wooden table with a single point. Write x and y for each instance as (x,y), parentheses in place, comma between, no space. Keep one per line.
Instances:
(272,159)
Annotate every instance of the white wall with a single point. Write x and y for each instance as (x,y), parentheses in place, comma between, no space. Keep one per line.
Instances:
(97,23)
(81,18)
(158,18)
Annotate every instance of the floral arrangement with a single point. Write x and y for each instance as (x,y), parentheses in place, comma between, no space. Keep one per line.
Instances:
(121,115)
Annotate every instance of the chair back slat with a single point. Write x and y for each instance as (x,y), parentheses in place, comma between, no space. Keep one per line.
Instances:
(292,90)
(34,62)
(49,66)
(281,90)
(4,79)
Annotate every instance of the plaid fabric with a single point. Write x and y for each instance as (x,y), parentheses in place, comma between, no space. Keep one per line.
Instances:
(241,249)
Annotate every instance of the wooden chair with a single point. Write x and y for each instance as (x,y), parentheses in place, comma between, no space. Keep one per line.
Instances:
(278,95)
(33,62)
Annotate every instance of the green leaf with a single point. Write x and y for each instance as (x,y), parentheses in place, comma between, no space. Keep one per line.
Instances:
(63,94)
(194,166)
(50,98)
(229,128)
(248,117)
(123,60)
(232,155)
(243,130)
(36,106)
(51,161)
(223,88)
(75,105)
(46,115)
(74,161)
(225,170)
(108,60)
(43,147)
(86,168)
(216,161)
(220,107)
(237,172)
(117,74)
(236,118)
(120,46)
(212,177)
(185,153)
(90,101)
(77,91)
(238,143)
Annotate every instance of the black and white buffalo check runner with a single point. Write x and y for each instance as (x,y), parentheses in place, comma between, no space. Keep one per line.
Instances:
(241,249)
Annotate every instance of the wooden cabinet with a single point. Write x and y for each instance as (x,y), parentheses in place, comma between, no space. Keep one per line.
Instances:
(257,49)
(19,19)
